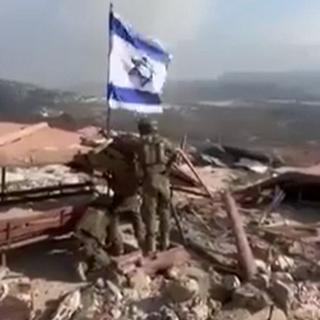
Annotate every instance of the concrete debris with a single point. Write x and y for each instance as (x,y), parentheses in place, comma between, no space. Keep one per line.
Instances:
(114,291)
(269,313)
(283,263)
(246,255)
(92,301)
(262,267)
(198,274)
(230,156)
(167,313)
(197,309)
(4,290)
(307,296)
(306,313)
(36,177)
(164,313)
(253,166)
(231,283)
(283,276)
(182,290)
(218,292)
(283,294)
(173,273)
(251,298)
(234,314)
(16,301)
(262,281)
(162,261)
(303,272)
(141,283)
(68,306)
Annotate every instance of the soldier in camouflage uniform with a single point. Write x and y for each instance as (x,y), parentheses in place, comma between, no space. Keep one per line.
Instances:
(124,183)
(156,156)
(125,201)
(91,233)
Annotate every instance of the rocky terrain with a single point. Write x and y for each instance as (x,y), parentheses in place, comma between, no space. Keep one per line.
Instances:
(210,285)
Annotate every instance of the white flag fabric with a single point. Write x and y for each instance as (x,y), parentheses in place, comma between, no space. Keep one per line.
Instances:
(137,69)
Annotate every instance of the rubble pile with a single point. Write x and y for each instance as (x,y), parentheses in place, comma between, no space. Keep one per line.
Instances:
(37,177)
(285,251)
(210,285)
(245,245)
(16,301)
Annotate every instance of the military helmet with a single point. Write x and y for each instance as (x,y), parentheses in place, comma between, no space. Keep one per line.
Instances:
(147,126)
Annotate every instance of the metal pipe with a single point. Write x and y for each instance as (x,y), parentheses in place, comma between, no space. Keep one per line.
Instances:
(108,124)
(245,255)
(56,188)
(3,183)
(31,197)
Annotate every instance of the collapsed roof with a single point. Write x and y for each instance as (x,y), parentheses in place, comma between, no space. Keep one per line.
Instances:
(37,145)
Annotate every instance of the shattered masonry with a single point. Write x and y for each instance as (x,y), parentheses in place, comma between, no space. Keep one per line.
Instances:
(244,215)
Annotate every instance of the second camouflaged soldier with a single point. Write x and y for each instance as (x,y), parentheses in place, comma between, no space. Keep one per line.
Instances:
(91,233)
(155,157)
(124,183)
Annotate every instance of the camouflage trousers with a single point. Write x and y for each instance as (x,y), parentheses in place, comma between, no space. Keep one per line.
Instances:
(91,233)
(95,255)
(156,204)
(120,206)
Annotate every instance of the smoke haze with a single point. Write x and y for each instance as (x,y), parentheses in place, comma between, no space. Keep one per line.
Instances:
(61,43)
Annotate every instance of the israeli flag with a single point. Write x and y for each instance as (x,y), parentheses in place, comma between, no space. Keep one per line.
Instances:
(137,69)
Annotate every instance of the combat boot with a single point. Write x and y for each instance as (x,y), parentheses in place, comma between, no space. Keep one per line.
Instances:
(164,243)
(150,245)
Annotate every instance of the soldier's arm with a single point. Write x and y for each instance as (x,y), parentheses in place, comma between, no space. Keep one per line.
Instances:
(137,168)
(172,152)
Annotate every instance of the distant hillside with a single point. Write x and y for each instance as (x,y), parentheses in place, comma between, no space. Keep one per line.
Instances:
(250,86)
(97,89)
(181,92)
(308,81)
(17,98)
(236,85)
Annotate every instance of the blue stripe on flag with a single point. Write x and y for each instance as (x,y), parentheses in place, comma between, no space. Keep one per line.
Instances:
(152,49)
(132,96)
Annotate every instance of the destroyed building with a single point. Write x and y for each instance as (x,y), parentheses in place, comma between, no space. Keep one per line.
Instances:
(245,237)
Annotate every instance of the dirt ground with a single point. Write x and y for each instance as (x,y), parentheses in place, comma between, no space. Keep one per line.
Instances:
(50,266)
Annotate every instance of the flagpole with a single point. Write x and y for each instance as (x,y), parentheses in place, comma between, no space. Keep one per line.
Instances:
(108,72)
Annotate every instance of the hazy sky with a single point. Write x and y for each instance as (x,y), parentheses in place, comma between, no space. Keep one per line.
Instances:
(64,42)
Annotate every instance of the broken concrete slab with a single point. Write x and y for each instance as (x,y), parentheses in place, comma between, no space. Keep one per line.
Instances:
(283,294)
(285,277)
(141,283)
(261,281)
(283,263)
(162,261)
(218,291)
(69,305)
(236,314)
(182,290)
(251,298)
(231,283)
